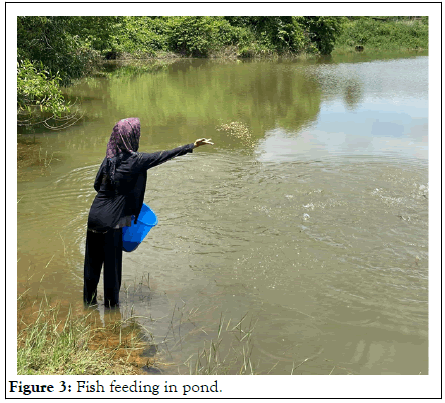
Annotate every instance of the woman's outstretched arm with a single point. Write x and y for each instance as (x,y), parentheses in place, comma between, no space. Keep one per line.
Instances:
(150,160)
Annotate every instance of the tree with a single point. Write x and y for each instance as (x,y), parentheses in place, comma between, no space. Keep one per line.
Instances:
(323,31)
(65,46)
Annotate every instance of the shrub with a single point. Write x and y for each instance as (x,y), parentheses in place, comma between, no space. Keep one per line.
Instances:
(36,89)
(139,35)
(191,36)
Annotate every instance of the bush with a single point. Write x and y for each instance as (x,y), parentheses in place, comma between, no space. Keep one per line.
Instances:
(199,36)
(191,36)
(139,35)
(36,89)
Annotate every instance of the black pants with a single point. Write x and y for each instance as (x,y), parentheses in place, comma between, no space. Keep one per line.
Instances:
(103,249)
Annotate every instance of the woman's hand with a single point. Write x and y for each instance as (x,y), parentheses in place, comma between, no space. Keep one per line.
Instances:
(201,142)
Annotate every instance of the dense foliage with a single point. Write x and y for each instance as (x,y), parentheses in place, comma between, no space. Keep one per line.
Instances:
(202,36)
(65,46)
(35,88)
(52,51)
(323,31)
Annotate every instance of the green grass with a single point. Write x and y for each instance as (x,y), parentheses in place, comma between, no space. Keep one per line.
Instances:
(55,339)
(382,35)
(52,339)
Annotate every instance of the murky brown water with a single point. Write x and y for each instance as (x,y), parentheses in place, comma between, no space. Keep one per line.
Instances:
(311,220)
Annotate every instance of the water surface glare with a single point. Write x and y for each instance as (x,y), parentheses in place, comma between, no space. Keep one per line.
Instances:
(307,221)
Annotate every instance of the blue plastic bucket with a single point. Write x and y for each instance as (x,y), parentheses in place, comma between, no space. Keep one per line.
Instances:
(134,235)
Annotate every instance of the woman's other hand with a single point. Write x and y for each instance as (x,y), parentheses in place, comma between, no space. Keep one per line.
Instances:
(201,142)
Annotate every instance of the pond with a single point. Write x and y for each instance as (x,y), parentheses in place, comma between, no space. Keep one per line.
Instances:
(298,241)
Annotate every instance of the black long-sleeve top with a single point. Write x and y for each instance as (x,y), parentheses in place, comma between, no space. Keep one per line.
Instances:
(126,196)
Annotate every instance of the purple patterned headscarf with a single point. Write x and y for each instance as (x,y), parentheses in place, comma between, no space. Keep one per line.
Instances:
(124,138)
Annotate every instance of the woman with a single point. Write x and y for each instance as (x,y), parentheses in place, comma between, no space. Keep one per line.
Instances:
(120,185)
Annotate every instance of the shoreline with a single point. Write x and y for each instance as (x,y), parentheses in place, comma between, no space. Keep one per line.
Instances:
(271,55)
(61,338)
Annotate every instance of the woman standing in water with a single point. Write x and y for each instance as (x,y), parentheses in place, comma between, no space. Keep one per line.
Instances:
(120,185)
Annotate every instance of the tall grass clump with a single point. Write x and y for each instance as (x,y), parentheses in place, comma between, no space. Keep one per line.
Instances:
(51,342)
(228,354)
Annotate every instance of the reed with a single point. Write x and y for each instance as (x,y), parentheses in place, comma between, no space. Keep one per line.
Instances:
(218,358)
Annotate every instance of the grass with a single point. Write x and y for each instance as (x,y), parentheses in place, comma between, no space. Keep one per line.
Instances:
(236,359)
(54,339)
(231,350)
(382,36)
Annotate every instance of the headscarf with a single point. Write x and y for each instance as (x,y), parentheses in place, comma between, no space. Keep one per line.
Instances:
(124,139)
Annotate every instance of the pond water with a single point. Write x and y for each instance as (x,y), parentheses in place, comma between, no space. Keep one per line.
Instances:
(307,221)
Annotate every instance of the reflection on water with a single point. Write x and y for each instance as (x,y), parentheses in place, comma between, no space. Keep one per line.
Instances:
(313,228)
(378,110)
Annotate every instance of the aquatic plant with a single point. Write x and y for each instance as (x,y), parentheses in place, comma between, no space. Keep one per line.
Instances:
(233,359)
